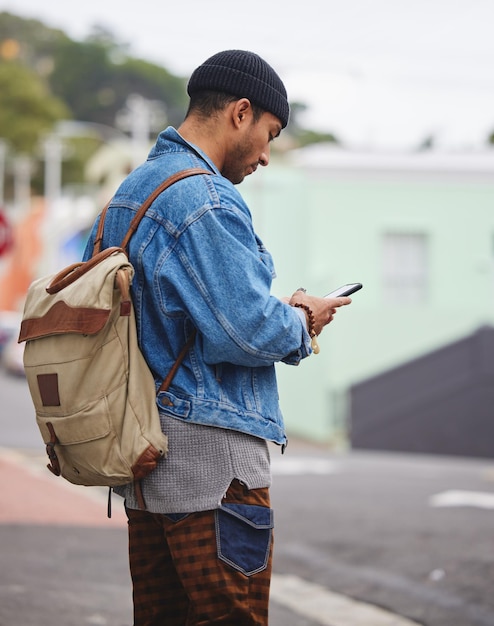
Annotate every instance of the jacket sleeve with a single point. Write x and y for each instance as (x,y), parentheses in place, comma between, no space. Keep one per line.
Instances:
(223,274)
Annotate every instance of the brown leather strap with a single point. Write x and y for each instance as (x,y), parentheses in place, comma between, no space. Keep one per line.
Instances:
(193,171)
(71,273)
(99,233)
(141,503)
(166,383)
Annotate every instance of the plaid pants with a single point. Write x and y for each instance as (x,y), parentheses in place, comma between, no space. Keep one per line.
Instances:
(211,567)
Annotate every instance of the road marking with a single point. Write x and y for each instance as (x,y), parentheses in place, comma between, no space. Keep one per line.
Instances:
(489,474)
(328,608)
(479,499)
(303,465)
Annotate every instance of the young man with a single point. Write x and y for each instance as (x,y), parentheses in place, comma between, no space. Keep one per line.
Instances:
(201,551)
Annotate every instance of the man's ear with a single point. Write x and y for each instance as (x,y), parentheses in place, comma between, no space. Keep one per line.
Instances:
(242,111)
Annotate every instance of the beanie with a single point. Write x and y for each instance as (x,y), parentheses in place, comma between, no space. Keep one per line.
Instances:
(246,75)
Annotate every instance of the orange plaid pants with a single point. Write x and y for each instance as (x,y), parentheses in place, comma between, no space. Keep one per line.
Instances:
(211,567)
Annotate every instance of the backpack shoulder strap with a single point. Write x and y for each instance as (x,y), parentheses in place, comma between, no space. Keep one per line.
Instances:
(193,171)
(99,233)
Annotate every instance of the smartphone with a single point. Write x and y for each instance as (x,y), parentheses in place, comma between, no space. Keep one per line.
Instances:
(344,290)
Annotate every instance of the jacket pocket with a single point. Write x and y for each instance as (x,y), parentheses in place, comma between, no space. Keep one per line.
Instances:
(243,536)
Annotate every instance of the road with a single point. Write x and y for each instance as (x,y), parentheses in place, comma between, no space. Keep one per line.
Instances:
(368,539)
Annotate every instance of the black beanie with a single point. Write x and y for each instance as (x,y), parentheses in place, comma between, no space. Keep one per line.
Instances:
(246,75)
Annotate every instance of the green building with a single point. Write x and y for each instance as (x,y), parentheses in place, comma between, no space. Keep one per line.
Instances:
(416,229)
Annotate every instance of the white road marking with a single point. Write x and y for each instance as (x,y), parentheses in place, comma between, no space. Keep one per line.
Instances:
(328,608)
(457,498)
(303,465)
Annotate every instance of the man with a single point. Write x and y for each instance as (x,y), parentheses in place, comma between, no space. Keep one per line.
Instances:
(201,551)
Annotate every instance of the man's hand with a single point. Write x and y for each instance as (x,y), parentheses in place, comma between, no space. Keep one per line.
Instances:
(323,309)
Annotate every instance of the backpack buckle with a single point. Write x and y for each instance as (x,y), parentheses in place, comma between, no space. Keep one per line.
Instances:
(54,465)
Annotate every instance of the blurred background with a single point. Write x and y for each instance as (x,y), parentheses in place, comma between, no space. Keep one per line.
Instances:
(385,175)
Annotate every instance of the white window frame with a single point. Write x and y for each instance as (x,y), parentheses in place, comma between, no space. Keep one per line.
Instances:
(405,267)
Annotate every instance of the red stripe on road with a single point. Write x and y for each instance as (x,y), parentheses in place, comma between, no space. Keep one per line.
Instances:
(29,497)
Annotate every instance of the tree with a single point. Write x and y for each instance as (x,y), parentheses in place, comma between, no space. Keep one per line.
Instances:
(95,81)
(82,78)
(34,41)
(302,136)
(45,76)
(27,109)
(153,83)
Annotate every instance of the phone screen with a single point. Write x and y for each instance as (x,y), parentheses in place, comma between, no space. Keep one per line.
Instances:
(344,290)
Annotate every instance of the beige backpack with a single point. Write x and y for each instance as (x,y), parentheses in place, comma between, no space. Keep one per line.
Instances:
(93,392)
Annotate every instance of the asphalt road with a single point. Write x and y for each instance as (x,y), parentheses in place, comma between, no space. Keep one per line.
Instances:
(410,534)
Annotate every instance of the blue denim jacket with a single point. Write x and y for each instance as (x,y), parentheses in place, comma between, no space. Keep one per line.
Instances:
(200,264)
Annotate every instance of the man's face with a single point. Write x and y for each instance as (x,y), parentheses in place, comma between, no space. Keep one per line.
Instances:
(251,147)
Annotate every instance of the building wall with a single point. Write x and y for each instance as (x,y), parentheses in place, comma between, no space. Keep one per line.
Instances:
(323,216)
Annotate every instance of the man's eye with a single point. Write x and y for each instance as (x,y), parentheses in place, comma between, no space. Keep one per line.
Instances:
(272,136)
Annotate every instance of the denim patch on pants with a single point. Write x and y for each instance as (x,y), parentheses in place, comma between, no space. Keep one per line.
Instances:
(243,536)
(178,577)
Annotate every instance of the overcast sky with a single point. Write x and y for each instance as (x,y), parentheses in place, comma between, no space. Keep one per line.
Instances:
(377,73)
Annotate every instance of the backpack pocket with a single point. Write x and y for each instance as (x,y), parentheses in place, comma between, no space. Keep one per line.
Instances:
(85,446)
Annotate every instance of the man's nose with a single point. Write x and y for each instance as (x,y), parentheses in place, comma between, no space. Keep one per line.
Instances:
(264,158)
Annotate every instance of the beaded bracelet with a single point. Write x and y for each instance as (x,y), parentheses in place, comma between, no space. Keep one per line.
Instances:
(312,323)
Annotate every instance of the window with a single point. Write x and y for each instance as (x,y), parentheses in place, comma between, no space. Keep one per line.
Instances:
(404,267)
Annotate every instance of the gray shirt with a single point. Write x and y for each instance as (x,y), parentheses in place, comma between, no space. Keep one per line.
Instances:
(201,463)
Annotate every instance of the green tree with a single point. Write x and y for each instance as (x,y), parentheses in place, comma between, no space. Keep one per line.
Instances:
(95,79)
(82,78)
(35,43)
(301,135)
(27,109)
(154,83)
(45,76)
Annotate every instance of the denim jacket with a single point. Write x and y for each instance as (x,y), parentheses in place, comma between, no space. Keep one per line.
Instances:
(199,263)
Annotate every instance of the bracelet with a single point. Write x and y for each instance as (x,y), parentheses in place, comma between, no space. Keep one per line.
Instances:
(312,323)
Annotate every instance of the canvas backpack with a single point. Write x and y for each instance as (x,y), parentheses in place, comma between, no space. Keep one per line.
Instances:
(94,395)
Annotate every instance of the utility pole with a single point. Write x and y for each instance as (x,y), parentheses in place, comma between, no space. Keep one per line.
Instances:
(140,123)
(53,170)
(140,117)
(22,182)
(52,147)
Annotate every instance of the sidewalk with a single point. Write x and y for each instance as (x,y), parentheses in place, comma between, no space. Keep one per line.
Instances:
(65,563)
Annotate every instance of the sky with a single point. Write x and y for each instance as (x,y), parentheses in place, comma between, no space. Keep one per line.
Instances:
(381,75)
